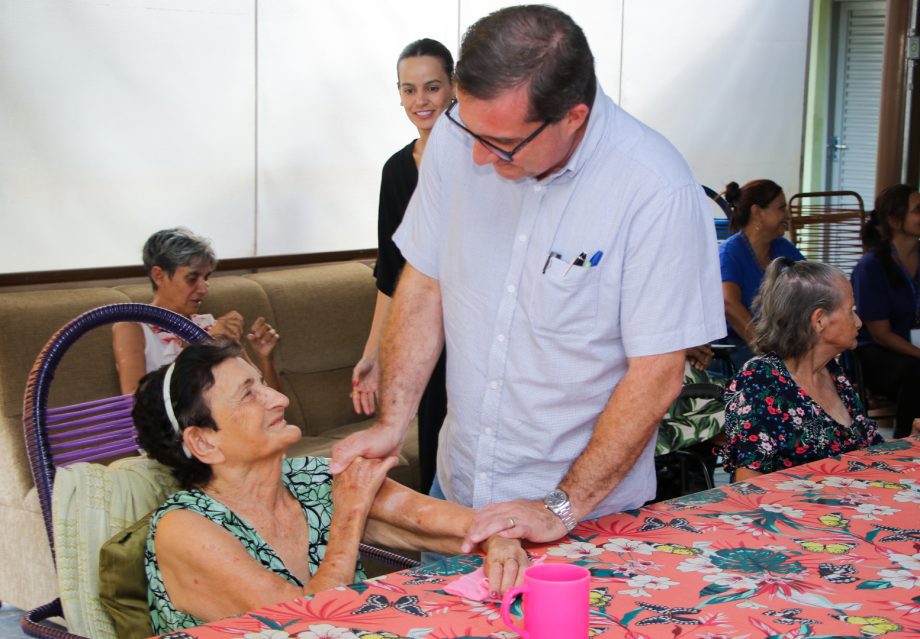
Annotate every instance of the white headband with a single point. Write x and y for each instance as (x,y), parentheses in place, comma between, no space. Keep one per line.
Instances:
(167,404)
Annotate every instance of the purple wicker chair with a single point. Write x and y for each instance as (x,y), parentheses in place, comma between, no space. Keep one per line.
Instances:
(95,431)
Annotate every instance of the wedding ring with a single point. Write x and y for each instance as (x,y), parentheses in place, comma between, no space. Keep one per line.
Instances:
(511,521)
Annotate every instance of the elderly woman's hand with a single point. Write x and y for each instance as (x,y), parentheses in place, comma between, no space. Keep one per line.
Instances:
(505,563)
(355,487)
(263,338)
(229,325)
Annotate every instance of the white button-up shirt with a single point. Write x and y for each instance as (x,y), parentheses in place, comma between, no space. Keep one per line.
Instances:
(533,356)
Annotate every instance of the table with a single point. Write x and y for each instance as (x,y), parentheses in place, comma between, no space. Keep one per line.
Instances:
(826,550)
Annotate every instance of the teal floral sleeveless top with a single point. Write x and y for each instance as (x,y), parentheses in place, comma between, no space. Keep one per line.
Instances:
(310,482)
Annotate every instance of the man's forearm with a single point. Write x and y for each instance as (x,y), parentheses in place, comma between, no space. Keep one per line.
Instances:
(623,429)
(413,338)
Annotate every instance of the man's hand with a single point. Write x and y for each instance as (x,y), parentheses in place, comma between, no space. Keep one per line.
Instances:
(263,338)
(365,380)
(520,519)
(375,442)
(229,325)
(915,426)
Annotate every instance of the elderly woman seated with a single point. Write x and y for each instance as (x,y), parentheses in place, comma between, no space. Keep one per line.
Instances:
(792,404)
(252,528)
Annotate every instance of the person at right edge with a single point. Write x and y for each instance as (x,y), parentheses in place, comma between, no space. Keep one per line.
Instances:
(564,253)
(886,281)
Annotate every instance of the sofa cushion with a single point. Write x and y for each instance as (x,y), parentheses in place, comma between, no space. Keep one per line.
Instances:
(29,320)
(331,305)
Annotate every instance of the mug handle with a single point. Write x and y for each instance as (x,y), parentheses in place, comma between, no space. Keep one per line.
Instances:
(506,605)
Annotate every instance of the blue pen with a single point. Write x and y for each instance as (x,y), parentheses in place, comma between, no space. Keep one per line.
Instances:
(596,258)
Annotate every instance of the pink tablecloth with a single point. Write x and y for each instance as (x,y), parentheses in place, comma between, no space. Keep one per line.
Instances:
(826,550)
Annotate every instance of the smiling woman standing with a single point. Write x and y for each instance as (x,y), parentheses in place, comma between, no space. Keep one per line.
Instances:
(179,264)
(760,218)
(424,71)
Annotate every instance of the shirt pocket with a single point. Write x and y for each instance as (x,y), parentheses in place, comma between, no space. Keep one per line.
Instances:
(564,300)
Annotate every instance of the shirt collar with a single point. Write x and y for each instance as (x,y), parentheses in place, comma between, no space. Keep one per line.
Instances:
(601,111)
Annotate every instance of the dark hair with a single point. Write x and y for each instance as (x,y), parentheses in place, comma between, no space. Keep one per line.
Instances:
(191,378)
(171,248)
(742,199)
(535,46)
(890,206)
(790,292)
(433,48)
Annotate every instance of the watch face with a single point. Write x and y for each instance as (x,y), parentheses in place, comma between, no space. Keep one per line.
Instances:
(555,498)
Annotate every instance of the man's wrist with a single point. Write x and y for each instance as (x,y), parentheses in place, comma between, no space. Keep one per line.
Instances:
(557,502)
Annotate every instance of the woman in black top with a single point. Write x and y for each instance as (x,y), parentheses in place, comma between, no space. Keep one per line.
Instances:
(424,71)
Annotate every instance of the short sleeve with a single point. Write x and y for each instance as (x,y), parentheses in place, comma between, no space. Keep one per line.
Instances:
(419,237)
(756,409)
(871,290)
(673,302)
(397,182)
(730,262)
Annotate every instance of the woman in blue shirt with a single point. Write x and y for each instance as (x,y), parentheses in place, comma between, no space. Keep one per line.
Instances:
(887,286)
(760,218)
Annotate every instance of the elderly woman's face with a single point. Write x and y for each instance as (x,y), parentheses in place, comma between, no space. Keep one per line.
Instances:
(249,414)
(840,326)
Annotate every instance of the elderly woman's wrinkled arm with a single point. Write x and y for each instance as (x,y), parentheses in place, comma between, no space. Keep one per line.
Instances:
(403,518)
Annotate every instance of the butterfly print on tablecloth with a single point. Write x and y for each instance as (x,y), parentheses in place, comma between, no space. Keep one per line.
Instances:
(406,603)
(837,573)
(901,534)
(746,488)
(680,523)
(421,578)
(668,615)
(789,616)
(855,466)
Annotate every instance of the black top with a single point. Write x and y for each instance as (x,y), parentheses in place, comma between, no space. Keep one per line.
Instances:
(400,176)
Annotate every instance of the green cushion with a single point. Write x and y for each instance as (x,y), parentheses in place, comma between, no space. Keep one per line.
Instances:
(123,581)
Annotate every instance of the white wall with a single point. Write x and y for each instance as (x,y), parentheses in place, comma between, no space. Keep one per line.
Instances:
(263,124)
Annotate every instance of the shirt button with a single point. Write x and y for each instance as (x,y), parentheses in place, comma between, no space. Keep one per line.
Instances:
(500,338)
(493,384)
(511,288)
(483,475)
(522,238)
(488,431)
(537,187)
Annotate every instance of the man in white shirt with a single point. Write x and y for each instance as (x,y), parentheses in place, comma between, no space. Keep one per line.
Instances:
(567,267)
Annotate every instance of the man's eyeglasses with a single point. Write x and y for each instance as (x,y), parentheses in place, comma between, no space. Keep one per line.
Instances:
(507,156)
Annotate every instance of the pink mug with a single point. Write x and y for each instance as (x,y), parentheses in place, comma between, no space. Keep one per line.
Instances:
(556,602)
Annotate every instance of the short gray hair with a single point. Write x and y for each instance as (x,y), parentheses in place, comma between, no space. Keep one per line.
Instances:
(791,291)
(171,248)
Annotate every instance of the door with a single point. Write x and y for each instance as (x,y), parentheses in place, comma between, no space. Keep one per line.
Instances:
(857,39)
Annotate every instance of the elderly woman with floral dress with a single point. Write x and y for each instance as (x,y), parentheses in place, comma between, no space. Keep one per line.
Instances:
(793,404)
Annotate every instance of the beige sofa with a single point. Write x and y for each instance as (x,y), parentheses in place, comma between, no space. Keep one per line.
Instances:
(322,313)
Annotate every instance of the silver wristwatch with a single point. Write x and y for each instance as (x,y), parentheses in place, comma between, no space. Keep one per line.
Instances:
(557,502)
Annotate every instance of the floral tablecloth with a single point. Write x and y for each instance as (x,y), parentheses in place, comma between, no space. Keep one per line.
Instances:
(826,550)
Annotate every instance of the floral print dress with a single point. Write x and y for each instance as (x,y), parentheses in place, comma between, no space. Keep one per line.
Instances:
(772,423)
(310,482)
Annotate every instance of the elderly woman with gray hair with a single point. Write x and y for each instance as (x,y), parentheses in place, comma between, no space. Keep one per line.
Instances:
(792,403)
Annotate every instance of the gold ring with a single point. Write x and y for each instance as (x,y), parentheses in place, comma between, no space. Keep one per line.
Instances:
(511,521)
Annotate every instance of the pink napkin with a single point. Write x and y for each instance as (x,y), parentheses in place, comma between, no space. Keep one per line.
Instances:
(475,586)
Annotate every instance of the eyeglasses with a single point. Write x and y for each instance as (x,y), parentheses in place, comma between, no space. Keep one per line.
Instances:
(507,156)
